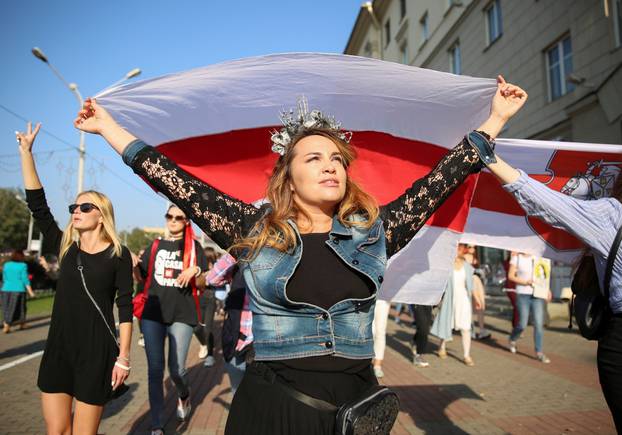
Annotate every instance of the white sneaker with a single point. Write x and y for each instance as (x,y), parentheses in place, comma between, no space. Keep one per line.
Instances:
(210,361)
(420,362)
(141,343)
(543,358)
(378,372)
(183,408)
(512,346)
(484,334)
(202,352)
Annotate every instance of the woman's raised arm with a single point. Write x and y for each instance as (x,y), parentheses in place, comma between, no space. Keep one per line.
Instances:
(222,217)
(25,141)
(35,197)
(405,216)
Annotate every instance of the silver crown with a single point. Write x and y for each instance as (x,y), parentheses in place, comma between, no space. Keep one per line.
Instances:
(295,123)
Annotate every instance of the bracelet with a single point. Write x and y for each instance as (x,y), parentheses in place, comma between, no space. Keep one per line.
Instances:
(123,358)
(483,147)
(121,366)
(198,272)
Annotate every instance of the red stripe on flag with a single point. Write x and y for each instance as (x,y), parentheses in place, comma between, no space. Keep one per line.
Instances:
(240,162)
(564,170)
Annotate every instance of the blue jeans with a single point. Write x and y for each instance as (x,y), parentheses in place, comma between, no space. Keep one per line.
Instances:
(524,303)
(235,369)
(179,336)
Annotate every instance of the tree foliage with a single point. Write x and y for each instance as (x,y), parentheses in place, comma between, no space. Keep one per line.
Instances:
(14,218)
(136,239)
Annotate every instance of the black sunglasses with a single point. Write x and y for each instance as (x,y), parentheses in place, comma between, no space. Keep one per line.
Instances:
(170,217)
(85,207)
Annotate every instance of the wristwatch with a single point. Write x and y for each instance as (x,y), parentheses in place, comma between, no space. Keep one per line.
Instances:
(484,146)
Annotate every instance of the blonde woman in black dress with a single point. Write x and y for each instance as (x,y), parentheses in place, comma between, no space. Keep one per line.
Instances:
(81,360)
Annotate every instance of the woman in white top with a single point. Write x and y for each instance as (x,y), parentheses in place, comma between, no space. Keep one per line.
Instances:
(521,272)
(479,291)
(456,309)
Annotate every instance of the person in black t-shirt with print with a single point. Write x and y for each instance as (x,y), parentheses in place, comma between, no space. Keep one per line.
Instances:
(171,310)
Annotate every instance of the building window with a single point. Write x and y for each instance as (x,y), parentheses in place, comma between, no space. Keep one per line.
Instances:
(404,53)
(402,9)
(455,59)
(425,30)
(387,32)
(559,66)
(617,21)
(494,23)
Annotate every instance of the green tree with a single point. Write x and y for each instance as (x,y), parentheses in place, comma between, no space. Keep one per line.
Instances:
(14,218)
(136,239)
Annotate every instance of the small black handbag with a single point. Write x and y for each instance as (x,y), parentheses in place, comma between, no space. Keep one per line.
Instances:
(589,305)
(373,413)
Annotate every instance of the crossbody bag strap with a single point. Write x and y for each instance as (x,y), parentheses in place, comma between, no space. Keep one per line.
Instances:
(319,404)
(86,289)
(154,249)
(613,252)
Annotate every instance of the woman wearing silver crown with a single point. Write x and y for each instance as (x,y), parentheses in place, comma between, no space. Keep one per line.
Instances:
(312,307)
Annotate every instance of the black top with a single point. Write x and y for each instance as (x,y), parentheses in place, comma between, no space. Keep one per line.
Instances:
(105,274)
(168,302)
(320,279)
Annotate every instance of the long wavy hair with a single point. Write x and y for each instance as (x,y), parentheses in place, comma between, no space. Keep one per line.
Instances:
(108,232)
(274,231)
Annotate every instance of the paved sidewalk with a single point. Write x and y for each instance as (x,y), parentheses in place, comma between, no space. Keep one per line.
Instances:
(503,393)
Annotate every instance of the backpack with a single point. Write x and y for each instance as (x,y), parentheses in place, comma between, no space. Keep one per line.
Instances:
(589,305)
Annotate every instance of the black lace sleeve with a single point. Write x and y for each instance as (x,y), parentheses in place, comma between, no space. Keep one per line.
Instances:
(404,216)
(222,217)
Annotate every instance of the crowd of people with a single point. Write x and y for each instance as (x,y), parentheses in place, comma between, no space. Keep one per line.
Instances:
(298,340)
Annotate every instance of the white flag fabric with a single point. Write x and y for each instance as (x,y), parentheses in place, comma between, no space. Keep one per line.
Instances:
(583,170)
(215,122)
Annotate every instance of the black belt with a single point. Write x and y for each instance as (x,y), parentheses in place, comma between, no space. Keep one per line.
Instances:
(269,376)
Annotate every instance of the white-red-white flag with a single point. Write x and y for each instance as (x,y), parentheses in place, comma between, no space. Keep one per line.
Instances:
(583,170)
(216,121)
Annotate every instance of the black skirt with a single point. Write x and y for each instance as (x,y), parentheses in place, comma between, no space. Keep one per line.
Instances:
(260,407)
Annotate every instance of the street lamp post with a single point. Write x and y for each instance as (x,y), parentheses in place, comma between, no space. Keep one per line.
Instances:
(30,223)
(36,51)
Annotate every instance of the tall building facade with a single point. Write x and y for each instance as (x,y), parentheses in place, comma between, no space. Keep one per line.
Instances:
(567,55)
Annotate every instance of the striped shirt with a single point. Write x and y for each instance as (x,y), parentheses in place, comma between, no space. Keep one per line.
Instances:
(594,222)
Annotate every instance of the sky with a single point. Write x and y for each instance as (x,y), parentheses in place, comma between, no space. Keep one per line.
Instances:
(94,44)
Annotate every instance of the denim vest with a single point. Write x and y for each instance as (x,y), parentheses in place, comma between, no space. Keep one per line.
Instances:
(284,329)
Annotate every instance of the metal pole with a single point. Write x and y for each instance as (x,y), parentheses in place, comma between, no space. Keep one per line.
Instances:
(30,222)
(81,146)
(81,153)
(30,227)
